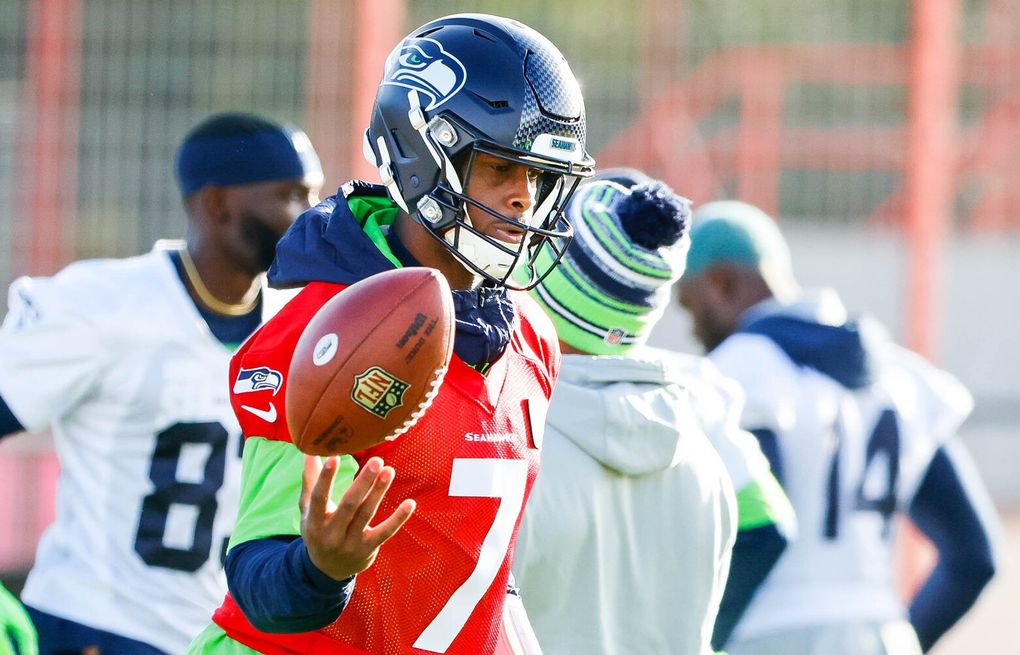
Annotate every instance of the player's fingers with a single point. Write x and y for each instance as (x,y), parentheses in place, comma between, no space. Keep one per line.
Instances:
(318,480)
(313,467)
(370,504)
(355,494)
(381,533)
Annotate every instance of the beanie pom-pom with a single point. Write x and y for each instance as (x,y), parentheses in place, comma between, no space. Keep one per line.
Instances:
(653,215)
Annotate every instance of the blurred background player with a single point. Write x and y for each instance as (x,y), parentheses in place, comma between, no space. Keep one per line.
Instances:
(17,634)
(765,519)
(478,133)
(858,429)
(125,361)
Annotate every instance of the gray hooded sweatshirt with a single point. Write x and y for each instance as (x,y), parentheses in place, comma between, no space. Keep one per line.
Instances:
(624,546)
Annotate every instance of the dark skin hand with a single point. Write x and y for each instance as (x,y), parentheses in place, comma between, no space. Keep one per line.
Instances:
(339,539)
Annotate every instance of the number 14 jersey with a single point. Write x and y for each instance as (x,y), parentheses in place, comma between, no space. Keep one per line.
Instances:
(852,458)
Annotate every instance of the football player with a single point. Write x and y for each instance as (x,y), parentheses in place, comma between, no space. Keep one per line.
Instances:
(125,360)
(478,133)
(858,430)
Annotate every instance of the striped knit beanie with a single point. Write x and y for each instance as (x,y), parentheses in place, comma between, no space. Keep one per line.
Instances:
(629,247)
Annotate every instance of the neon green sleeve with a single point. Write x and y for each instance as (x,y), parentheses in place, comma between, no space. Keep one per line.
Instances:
(15,627)
(214,641)
(271,476)
(763,502)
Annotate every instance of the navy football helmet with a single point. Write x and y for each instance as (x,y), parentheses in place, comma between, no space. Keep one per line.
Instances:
(468,84)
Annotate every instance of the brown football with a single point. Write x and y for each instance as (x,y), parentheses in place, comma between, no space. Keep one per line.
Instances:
(370,361)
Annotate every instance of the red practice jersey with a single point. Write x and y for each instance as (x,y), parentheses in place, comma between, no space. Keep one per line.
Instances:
(439,585)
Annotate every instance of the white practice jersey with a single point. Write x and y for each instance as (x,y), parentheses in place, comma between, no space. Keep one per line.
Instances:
(718,402)
(114,356)
(851,459)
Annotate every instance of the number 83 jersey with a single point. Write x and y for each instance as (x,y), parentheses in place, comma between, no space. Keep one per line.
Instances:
(115,358)
(851,454)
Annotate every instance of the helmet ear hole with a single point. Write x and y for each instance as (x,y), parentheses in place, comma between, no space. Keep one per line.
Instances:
(397,145)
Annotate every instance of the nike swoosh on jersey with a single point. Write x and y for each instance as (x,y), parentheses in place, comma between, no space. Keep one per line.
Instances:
(267,415)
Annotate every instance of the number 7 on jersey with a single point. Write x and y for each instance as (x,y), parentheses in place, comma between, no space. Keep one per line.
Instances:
(505,479)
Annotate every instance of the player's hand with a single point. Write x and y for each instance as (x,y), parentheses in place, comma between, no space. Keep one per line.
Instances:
(15,627)
(339,539)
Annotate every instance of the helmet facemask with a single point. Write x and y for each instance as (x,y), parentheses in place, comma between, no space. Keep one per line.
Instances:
(542,225)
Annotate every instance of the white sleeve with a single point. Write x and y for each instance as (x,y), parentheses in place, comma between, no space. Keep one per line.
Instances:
(718,402)
(50,355)
(932,399)
(765,375)
(741,455)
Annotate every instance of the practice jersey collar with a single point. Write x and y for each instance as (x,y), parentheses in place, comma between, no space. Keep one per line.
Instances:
(816,331)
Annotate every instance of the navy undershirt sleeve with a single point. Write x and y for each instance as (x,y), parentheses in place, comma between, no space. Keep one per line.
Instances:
(755,552)
(9,423)
(952,509)
(278,588)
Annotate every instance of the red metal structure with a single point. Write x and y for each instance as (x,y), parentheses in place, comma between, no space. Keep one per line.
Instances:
(48,192)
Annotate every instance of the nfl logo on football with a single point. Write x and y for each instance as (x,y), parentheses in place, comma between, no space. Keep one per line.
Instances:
(378,391)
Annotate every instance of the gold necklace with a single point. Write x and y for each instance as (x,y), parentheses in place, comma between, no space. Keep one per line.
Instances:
(247,304)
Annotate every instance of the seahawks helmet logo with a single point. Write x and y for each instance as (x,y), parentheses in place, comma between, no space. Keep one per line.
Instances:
(257,379)
(423,65)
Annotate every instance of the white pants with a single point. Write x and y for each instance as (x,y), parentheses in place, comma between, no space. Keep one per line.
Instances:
(890,638)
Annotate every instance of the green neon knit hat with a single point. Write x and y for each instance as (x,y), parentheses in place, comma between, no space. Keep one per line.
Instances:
(614,281)
(729,231)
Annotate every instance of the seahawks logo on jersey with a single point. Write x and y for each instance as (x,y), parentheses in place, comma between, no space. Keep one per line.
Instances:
(423,65)
(257,379)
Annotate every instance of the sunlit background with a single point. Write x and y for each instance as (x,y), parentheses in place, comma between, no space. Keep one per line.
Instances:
(884,135)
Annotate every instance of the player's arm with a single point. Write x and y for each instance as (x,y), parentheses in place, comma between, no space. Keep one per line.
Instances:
(269,572)
(765,517)
(764,526)
(278,588)
(51,354)
(952,508)
(293,556)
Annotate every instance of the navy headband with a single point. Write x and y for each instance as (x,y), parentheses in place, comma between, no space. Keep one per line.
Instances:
(247,158)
